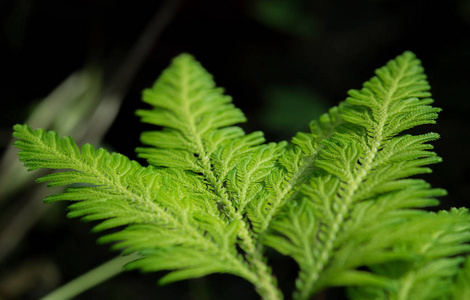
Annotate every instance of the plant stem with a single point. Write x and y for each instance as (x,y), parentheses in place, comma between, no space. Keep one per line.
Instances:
(92,278)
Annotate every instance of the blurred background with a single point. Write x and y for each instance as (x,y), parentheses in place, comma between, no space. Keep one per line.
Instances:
(79,67)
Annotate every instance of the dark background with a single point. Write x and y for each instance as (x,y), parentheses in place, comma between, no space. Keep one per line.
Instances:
(284,63)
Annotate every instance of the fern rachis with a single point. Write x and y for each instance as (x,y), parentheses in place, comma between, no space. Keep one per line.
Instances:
(338,200)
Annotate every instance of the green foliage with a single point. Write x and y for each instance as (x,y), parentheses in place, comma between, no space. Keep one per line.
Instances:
(339,200)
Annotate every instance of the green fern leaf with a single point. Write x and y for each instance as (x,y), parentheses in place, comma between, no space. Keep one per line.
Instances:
(362,171)
(204,171)
(339,200)
(198,124)
(165,219)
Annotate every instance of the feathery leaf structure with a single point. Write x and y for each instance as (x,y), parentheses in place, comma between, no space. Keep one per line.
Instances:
(164,222)
(438,240)
(197,115)
(294,168)
(358,206)
(339,200)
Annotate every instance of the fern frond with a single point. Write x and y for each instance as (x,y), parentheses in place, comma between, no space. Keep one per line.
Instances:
(167,213)
(362,174)
(339,200)
(183,197)
(199,136)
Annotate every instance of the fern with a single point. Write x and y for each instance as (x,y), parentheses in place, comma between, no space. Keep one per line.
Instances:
(339,200)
